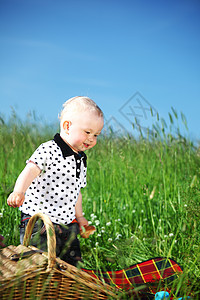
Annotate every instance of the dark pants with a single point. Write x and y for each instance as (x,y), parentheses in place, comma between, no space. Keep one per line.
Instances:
(67,243)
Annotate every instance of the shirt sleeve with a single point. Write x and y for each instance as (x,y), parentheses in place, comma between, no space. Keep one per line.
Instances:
(40,156)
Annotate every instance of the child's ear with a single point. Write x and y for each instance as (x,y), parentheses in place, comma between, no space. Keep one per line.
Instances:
(66,125)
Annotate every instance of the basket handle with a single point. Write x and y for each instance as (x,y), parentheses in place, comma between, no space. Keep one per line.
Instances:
(51,238)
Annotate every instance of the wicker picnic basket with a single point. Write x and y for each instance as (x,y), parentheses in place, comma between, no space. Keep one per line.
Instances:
(43,276)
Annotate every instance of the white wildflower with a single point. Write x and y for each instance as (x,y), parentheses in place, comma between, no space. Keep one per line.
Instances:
(102,229)
(118,235)
(109,240)
(97,222)
(108,223)
(93,217)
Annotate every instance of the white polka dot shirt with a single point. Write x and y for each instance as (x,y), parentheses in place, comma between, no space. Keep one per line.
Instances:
(55,191)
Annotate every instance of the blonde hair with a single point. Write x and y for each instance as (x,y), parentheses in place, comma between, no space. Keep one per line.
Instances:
(79,104)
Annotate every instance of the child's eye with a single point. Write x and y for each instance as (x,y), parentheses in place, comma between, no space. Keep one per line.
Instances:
(87,132)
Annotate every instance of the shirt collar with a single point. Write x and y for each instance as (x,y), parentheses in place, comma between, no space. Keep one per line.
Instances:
(67,151)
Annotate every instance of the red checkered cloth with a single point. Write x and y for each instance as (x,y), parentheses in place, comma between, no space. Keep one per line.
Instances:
(152,275)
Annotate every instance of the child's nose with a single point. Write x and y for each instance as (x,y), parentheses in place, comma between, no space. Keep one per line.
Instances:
(91,138)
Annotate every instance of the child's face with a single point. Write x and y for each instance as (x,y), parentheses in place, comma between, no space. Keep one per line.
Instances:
(84,130)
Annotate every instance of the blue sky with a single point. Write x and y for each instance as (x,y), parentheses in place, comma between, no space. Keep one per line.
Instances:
(123,54)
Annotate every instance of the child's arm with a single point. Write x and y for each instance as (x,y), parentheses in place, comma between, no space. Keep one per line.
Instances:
(30,172)
(79,212)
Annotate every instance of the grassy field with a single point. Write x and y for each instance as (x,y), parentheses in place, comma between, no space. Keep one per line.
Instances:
(142,195)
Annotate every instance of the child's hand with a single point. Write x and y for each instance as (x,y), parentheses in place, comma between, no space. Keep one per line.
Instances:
(87,231)
(15,199)
(82,221)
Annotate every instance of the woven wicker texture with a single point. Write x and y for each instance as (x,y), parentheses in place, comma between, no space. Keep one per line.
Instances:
(38,275)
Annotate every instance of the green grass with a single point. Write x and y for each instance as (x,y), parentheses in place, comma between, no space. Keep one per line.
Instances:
(142,195)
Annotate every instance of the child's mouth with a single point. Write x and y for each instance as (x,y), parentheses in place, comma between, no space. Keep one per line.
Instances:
(86,145)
